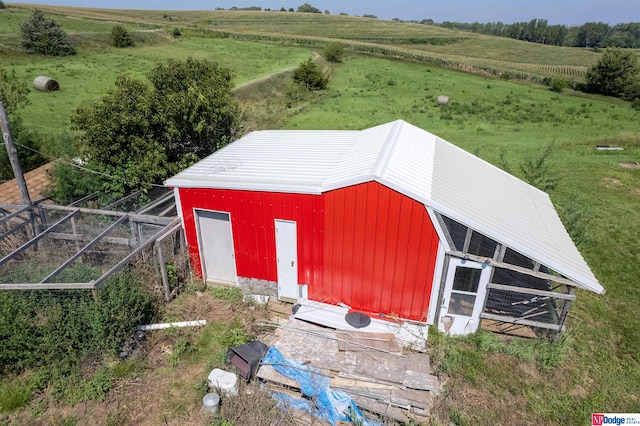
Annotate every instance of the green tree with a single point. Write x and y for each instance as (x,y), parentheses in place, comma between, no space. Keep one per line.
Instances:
(1,4)
(309,75)
(334,52)
(119,138)
(592,34)
(307,8)
(140,133)
(44,36)
(121,37)
(13,95)
(199,113)
(616,73)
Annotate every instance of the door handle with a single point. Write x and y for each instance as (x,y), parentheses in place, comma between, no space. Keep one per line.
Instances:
(292,262)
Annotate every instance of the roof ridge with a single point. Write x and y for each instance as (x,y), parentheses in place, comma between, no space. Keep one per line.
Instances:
(381,163)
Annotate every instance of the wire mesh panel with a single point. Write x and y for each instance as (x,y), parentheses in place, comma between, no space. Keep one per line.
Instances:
(69,247)
(536,304)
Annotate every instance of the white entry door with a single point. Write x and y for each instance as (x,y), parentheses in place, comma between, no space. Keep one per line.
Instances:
(463,297)
(216,246)
(287,258)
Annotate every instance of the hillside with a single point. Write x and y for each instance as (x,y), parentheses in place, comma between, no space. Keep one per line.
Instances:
(422,43)
(394,70)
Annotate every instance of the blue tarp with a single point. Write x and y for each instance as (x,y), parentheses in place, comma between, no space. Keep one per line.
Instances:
(322,402)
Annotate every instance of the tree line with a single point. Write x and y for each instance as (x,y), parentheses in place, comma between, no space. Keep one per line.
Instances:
(590,34)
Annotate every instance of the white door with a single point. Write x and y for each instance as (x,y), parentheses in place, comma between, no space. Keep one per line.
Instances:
(287,258)
(216,246)
(463,297)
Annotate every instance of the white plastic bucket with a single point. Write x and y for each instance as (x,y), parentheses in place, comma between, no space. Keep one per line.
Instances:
(211,402)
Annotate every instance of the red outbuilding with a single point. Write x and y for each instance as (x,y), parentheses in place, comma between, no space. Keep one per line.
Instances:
(391,221)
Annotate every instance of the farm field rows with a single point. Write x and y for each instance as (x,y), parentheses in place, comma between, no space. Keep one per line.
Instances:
(458,47)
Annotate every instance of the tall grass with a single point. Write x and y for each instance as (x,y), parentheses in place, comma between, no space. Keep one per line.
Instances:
(596,367)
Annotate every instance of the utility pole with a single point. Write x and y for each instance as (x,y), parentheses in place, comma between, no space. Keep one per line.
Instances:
(17,170)
(13,157)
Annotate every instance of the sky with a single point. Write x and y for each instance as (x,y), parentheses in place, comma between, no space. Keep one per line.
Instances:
(567,12)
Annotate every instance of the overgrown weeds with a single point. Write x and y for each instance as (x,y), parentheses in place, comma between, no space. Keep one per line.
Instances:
(463,356)
(49,333)
(231,294)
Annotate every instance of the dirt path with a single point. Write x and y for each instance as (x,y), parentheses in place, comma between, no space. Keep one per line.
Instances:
(316,56)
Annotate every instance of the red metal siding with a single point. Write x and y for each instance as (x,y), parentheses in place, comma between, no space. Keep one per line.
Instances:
(253,217)
(365,245)
(380,250)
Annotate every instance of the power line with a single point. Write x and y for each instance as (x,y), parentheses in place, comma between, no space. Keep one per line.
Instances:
(70,163)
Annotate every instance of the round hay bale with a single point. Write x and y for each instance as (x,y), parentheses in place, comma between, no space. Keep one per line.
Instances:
(443,100)
(45,84)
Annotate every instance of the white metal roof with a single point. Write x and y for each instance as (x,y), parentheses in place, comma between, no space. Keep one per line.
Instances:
(411,161)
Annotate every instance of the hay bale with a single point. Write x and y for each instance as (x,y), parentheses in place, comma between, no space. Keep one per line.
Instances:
(443,100)
(45,84)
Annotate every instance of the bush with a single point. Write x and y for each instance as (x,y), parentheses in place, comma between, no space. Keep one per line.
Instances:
(177,32)
(334,52)
(617,73)
(13,95)
(309,75)
(556,84)
(44,36)
(1,4)
(27,146)
(69,183)
(537,171)
(54,329)
(14,395)
(121,37)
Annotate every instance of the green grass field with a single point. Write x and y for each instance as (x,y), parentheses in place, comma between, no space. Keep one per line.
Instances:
(464,50)
(503,122)
(86,76)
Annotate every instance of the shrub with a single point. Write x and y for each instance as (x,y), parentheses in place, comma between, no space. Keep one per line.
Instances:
(69,183)
(121,37)
(557,84)
(14,395)
(177,32)
(334,52)
(617,73)
(13,94)
(1,4)
(122,305)
(44,36)
(537,171)
(310,76)
(54,329)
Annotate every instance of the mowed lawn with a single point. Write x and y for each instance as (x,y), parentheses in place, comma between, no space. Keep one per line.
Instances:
(506,123)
